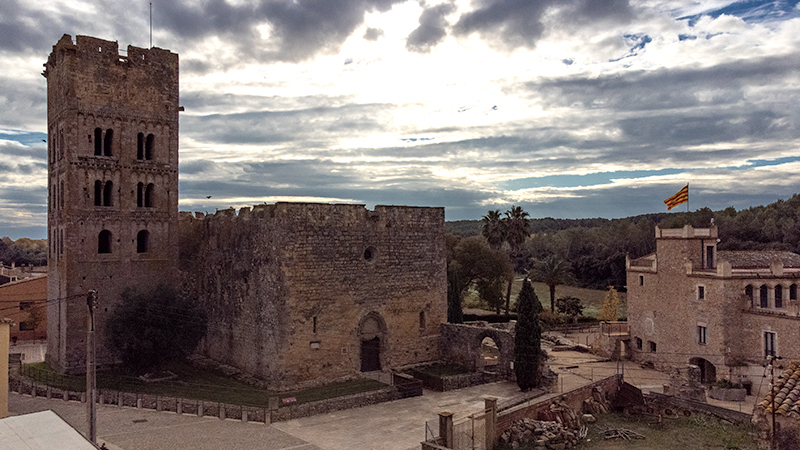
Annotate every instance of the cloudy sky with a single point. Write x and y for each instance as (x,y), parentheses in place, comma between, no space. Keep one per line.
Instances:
(570,108)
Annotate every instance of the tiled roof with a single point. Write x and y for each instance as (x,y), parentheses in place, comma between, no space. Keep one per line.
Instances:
(758,259)
(787,397)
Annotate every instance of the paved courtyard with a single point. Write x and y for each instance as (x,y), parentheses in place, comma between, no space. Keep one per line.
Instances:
(398,425)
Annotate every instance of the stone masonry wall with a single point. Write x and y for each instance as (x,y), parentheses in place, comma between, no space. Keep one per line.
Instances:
(290,287)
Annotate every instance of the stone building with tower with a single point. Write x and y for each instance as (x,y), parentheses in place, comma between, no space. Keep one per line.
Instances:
(295,293)
(723,311)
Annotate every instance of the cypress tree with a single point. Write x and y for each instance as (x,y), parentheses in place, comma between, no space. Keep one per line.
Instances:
(528,339)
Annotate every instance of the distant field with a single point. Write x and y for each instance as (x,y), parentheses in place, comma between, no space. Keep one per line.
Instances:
(592,299)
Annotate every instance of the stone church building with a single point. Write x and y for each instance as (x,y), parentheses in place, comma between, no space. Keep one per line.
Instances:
(724,311)
(295,293)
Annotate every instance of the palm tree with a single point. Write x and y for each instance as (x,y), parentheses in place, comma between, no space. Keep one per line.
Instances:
(517,227)
(552,271)
(493,229)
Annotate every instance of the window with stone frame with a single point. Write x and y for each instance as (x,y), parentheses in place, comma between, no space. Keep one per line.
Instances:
(638,343)
(652,346)
(793,292)
(701,292)
(702,334)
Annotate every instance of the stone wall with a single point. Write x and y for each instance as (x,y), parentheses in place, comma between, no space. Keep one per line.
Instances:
(461,344)
(292,290)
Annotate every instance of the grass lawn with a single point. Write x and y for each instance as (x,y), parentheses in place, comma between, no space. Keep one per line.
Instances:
(592,299)
(199,384)
(692,433)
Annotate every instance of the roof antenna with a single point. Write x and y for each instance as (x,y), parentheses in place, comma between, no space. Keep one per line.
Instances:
(151,24)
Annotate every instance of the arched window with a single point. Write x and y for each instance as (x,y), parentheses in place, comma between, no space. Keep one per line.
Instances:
(748,292)
(140,146)
(98,193)
(107,141)
(148,196)
(108,190)
(140,195)
(104,242)
(779,296)
(148,147)
(763,296)
(98,141)
(142,241)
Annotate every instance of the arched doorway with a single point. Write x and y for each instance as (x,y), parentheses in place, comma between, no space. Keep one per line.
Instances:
(489,354)
(708,372)
(370,335)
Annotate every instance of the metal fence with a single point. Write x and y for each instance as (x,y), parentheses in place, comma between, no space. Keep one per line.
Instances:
(469,433)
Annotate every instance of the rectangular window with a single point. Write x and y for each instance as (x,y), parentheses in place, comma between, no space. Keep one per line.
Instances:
(638,343)
(641,280)
(701,292)
(314,324)
(709,257)
(702,334)
(24,306)
(769,343)
(779,296)
(652,347)
(25,326)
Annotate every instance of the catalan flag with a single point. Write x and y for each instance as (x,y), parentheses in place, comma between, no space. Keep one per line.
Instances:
(681,197)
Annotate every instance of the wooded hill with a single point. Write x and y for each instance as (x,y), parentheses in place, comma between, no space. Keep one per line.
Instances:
(596,248)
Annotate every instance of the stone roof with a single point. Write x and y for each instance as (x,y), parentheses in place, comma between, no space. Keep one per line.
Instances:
(787,397)
(758,259)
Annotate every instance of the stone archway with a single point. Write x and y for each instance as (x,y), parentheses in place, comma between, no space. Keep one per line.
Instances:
(371,337)
(708,371)
(489,354)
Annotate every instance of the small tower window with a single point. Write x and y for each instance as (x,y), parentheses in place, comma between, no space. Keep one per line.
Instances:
(793,292)
(148,195)
(763,296)
(98,193)
(142,241)
(140,195)
(422,320)
(104,242)
(98,141)
(107,142)
(108,191)
(779,296)
(140,146)
(748,292)
(148,147)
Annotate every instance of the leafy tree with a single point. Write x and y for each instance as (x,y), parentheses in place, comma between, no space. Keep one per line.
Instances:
(151,328)
(528,339)
(552,271)
(570,306)
(470,260)
(493,228)
(491,291)
(610,305)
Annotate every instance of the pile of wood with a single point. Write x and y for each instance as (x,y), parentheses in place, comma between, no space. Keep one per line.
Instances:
(620,433)
(544,435)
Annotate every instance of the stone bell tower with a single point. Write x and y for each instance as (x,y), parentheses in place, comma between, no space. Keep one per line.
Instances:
(112,184)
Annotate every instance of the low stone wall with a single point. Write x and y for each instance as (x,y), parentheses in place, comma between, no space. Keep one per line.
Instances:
(728,395)
(682,404)
(204,408)
(573,399)
(453,382)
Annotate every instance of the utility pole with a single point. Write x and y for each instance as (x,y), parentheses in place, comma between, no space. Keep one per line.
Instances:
(91,378)
(771,368)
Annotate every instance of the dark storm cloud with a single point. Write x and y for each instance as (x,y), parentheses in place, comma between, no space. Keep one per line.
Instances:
(298,29)
(24,29)
(319,125)
(431,30)
(518,23)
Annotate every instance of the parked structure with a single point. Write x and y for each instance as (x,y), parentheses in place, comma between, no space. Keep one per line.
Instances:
(295,293)
(722,311)
(25,303)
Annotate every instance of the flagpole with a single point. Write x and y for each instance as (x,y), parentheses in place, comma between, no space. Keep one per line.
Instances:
(687,197)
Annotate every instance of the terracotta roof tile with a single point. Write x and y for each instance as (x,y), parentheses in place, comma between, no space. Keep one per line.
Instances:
(758,259)
(787,392)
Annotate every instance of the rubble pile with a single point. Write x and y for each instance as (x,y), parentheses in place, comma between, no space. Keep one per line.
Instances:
(545,435)
(597,403)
